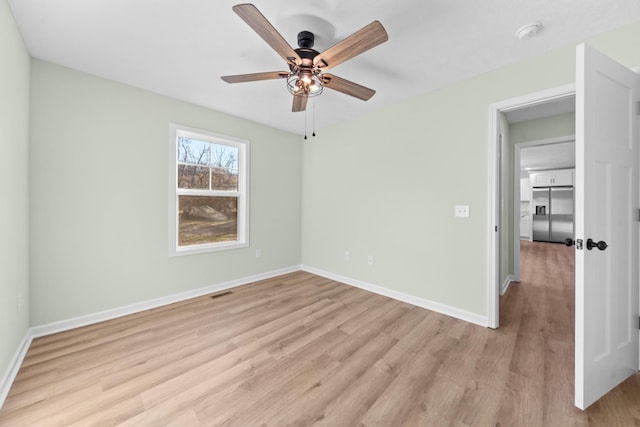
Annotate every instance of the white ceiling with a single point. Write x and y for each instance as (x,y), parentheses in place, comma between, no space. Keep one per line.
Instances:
(541,110)
(180,48)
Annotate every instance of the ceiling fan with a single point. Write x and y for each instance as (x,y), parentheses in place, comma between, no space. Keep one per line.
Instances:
(306,77)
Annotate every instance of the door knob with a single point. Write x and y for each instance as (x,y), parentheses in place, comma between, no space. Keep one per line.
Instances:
(602,245)
(571,242)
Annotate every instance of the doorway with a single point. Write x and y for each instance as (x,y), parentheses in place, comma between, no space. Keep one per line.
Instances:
(502,229)
(606,204)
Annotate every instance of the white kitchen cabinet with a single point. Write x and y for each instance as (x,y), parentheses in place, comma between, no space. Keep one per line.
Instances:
(525,198)
(524,228)
(552,178)
(525,190)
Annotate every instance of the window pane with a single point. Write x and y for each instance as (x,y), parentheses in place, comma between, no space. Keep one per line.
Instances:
(207,220)
(224,156)
(193,151)
(193,177)
(224,179)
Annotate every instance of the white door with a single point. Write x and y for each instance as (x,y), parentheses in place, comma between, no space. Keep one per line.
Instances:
(607,347)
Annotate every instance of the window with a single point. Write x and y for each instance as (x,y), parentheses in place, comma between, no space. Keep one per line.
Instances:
(209,191)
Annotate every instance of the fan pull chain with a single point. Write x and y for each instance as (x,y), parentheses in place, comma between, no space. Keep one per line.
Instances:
(305,123)
(314,118)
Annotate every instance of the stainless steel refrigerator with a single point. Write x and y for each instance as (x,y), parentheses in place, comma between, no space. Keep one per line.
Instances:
(552,214)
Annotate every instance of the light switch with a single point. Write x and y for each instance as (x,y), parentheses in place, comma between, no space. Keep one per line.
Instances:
(461,211)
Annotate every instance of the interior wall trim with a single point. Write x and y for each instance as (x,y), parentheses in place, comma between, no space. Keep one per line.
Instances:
(76,322)
(14,366)
(505,285)
(467,316)
(64,325)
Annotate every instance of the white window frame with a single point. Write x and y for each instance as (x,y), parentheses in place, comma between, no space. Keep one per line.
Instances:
(242,194)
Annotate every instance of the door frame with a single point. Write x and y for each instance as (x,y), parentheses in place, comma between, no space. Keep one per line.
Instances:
(494,199)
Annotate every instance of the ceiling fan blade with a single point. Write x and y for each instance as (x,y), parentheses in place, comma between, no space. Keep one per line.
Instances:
(242,78)
(359,42)
(347,87)
(252,16)
(299,103)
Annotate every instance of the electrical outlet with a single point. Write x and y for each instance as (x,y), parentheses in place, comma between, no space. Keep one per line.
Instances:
(370,260)
(347,256)
(258,253)
(461,211)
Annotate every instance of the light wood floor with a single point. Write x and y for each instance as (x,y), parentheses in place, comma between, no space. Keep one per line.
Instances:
(302,350)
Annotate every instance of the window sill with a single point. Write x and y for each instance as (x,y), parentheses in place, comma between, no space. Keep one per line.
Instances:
(200,249)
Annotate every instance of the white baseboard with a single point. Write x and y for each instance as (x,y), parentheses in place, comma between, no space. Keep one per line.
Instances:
(14,366)
(64,325)
(505,285)
(420,302)
(76,322)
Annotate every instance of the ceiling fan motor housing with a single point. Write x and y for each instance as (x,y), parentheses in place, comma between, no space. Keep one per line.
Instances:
(306,39)
(305,52)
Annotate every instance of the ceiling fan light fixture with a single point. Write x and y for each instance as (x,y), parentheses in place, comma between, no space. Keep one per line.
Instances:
(304,84)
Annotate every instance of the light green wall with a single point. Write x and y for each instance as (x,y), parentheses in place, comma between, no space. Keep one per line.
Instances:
(385,184)
(14,187)
(99,196)
(544,128)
